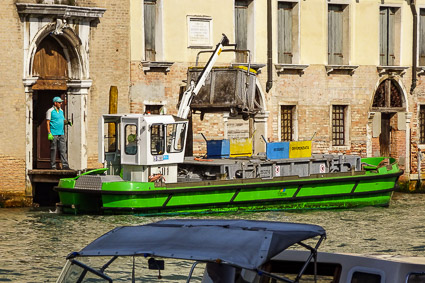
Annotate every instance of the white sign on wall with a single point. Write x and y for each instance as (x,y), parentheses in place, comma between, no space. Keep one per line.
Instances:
(199,31)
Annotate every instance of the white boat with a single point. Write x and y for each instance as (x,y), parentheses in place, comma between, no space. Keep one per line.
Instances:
(237,251)
(353,268)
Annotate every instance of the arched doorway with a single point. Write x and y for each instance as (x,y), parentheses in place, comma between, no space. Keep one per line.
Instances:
(50,65)
(389,105)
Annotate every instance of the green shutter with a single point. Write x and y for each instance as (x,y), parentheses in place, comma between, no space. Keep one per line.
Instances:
(241,22)
(391,33)
(422,38)
(387,34)
(149,21)
(285,32)
(383,36)
(335,34)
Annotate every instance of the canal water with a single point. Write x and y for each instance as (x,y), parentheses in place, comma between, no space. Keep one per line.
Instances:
(35,242)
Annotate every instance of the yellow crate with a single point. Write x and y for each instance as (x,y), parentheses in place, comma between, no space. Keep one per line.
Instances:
(298,149)
(240,147)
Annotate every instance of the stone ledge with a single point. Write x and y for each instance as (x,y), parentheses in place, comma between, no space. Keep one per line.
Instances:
(281,68)
(391,70)
(347,68)
(61,11)
(152,66)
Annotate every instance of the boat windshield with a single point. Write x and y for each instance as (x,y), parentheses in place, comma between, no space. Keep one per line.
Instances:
(75,271)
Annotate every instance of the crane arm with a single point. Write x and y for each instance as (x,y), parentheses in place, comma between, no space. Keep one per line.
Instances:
(194,87)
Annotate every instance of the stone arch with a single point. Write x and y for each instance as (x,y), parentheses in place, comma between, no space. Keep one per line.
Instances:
(388,124)
(72,48)
(397,99)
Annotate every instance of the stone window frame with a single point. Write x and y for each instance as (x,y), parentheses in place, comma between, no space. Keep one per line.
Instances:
(294,120)
(347,126)
(250,30)
(295,32)
(397,34)
(346,34)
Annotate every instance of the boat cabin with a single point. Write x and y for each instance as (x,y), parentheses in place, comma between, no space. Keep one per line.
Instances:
(138,145)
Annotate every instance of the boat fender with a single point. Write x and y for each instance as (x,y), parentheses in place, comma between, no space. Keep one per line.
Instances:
(156,178)
(201,159)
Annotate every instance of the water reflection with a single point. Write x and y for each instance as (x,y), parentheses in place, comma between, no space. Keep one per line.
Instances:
(34,243)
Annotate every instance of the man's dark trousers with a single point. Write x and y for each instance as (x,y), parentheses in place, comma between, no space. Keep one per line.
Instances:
(58,141)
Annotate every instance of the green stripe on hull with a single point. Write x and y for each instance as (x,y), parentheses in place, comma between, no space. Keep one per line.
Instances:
(325,203)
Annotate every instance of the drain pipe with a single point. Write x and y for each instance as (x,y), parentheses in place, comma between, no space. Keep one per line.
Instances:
(269,83)
(415,45)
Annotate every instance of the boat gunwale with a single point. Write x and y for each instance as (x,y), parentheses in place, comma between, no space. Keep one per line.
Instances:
(210,187)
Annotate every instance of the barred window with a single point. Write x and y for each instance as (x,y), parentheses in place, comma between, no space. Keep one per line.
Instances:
(422,124)
(338,124)
(286,117)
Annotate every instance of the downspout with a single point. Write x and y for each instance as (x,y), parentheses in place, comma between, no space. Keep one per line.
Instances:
(269,83)
(415,45)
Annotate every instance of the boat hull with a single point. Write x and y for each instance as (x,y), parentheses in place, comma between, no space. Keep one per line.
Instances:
(335,190)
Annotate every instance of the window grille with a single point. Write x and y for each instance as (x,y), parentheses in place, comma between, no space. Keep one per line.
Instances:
(422,124)
(287,112)
(338,125)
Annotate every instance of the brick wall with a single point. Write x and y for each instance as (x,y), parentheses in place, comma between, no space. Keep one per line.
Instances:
(12,107)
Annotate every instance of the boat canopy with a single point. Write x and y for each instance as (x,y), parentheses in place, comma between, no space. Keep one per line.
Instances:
(242,243)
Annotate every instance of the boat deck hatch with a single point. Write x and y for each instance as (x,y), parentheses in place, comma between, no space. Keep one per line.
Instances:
(94,182)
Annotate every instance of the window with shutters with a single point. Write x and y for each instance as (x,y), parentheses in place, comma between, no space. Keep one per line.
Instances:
(339,125)
(149,29)
(422,124)
(243,28)
(422,37)
(338,34)
(389,36)
(287,116)
(287,15)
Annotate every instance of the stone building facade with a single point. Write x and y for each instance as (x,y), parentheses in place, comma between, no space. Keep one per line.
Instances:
(72,49)
(338,72)
(346,74)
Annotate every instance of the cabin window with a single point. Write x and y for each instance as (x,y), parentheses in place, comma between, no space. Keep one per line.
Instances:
(338,124)
(157,139)
(176,137)
(389,41)
(325,272)
(286,122)
(130,133)
(416,278)
(150,22)
(422,124)
(338,34)
(110,137)
(364,277)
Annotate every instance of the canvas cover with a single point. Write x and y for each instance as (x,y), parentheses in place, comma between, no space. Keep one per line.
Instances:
(244,243)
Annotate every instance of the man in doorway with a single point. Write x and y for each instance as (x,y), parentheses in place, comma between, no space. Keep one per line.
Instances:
(56,133)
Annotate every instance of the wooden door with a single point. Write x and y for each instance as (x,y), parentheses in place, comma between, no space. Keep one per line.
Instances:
(51,66)
(42,101)
(385,136)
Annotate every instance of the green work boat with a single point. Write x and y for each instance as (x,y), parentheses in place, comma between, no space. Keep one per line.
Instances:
(372,185)
(146,170)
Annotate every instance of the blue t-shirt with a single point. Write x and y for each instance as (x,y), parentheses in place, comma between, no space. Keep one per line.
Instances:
(57,121)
